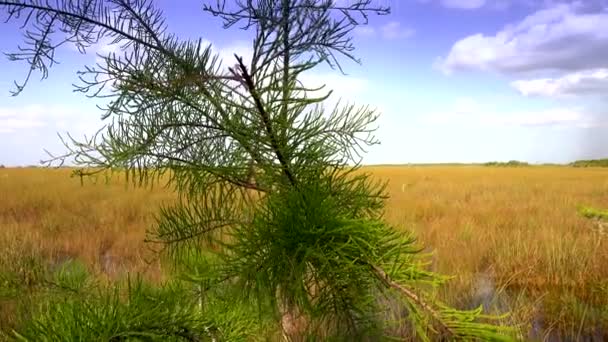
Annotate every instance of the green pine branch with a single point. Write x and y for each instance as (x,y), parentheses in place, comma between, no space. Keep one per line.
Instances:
(306,236)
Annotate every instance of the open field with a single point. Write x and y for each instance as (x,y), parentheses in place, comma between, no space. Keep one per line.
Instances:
(511,237)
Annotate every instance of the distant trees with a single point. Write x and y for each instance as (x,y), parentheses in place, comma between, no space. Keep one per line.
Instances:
(590,163)
(510,163)
(578,163)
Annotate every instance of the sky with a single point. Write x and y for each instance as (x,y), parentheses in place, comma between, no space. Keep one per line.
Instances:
(453,80)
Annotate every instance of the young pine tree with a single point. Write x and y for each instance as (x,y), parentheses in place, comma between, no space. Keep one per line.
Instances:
(306,238)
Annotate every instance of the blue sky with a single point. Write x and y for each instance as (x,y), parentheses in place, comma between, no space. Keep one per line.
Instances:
(454,81)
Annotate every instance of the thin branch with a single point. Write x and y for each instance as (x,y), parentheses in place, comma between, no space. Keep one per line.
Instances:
(381,274)
(267,124)
(92,21)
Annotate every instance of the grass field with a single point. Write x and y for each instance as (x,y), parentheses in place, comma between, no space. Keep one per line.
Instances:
(511,237)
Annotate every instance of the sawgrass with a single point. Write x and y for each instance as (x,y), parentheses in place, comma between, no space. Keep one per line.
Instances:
(513,238)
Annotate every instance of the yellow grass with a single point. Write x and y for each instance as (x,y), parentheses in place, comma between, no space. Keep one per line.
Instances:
(514,228)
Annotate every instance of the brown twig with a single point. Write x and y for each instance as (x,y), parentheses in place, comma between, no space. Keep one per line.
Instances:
(414,297)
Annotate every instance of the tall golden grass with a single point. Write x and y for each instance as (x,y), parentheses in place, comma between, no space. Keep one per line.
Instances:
(511,237)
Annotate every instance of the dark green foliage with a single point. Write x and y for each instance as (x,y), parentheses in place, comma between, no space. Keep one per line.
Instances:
(590,163)
(320,263)
(510,163)
(305,238)
(148,315)
(137,312)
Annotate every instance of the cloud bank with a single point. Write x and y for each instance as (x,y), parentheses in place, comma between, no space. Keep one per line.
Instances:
(469,112)
(564,37)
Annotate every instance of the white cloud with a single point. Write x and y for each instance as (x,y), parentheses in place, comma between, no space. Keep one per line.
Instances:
(226,53)
(390,30)
(463,4)
(17,120)
(13,120)
(469,112)
(466,105)
(589,82)
(365,31)
(347,86)
(346,91)
(106,49)
(12,125)
(548,117)
(393,30)
(569,36)
(344,88)
(481,4)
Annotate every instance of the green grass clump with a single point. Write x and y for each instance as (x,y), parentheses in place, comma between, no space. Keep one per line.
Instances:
(593,213)
(82,310)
